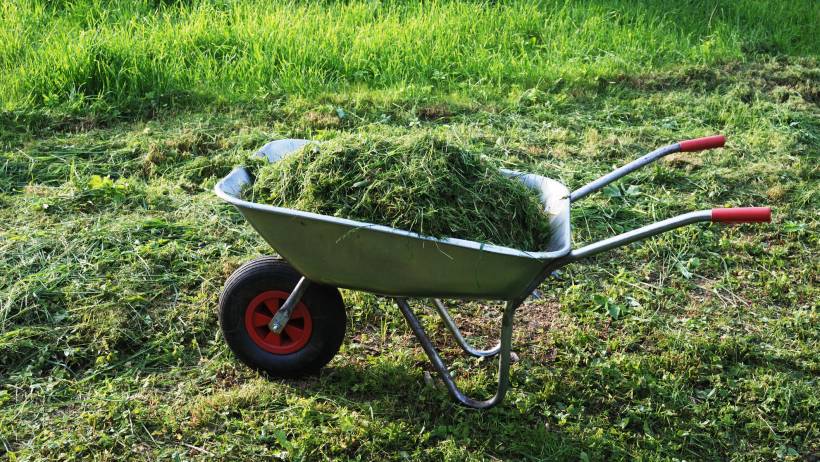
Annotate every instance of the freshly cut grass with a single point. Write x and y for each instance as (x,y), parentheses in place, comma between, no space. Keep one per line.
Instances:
(698,344)
(420,182)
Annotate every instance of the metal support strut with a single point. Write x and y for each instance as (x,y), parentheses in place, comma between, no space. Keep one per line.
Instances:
(438,364)
(280,319)
(623,171)
(462,342)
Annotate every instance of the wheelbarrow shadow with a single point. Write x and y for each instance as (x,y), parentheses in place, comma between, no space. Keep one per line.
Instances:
(387,392)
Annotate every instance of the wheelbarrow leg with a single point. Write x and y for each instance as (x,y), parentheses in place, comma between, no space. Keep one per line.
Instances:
(462,342)
(438,364)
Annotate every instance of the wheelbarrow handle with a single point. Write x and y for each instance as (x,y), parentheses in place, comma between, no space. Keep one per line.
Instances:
(742,215)
(730,215)
(698,144)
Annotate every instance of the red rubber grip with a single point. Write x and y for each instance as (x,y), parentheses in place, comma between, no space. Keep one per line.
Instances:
(742,215)
(699,144)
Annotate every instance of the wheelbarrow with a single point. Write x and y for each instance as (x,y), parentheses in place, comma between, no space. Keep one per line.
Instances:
(285,316)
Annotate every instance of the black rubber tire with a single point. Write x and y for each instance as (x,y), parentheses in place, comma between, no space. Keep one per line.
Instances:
(324,303)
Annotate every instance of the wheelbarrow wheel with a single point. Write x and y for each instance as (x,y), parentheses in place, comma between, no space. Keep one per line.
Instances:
(312,336)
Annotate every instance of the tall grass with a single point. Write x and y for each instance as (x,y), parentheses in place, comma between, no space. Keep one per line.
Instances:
(128,54)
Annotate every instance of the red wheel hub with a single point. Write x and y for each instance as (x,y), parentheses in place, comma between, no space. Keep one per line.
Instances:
(259,313)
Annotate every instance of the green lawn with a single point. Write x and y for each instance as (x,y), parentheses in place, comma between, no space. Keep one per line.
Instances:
(117,118)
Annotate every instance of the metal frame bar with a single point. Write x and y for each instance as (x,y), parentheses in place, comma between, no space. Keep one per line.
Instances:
(462,342)
(441,367)
(623,171)
(640,234)
(280,319)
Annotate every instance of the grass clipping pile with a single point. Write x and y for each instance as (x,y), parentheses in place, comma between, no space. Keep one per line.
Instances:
(420,183)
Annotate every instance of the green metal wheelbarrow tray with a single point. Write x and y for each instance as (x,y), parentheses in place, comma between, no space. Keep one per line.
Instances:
(286,317)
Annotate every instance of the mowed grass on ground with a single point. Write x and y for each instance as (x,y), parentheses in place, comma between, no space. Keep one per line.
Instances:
(117,119)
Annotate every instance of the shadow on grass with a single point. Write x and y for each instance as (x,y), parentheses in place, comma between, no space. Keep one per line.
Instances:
(394,392)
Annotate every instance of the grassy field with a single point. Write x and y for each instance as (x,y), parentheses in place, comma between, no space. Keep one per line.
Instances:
(117,118)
